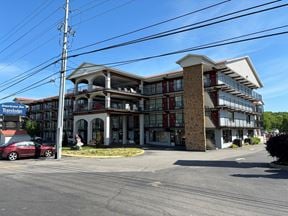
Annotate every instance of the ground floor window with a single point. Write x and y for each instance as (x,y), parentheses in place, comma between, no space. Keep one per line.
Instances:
(239,134)
(160,136)
(250,133)
(227,136)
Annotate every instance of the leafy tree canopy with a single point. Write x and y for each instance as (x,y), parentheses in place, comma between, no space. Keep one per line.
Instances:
(275,120)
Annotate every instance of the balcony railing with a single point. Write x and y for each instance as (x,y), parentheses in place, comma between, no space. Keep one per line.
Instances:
(235,104)
(223,79)
(226,122)
(97,106)
(92,88)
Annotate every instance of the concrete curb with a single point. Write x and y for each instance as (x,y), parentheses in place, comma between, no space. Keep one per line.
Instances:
(104,157)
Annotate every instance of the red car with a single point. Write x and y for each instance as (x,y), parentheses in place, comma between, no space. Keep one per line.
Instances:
(16,150)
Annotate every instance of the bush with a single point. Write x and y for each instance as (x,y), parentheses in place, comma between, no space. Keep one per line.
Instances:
(277,146)
(255,140)
(247,140)
(237,142)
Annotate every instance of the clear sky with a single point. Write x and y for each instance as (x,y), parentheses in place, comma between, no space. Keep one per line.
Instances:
(29,36)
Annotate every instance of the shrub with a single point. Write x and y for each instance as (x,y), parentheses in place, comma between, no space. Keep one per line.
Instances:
(237,142)
(247,140)
(255,140)
(277,146)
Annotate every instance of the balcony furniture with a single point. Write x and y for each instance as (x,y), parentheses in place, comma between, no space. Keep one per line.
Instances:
(132,90)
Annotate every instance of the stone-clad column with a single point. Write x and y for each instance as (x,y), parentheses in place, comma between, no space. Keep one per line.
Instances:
(194,113)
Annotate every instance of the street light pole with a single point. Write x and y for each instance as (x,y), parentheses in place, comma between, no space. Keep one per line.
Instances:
(62,85)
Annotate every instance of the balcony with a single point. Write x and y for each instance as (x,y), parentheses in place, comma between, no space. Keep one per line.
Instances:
(131,91)
(230,85)
(100,107)
(240,123)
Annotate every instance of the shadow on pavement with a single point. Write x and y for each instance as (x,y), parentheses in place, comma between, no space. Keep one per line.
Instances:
(273,174)
(227,164)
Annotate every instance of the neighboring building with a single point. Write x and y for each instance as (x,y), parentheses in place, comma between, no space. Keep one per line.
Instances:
(207,104)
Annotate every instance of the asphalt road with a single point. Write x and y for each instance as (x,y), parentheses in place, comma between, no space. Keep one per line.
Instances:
(242,185)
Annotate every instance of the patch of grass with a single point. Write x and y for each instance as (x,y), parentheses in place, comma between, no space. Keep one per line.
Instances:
(234,146)
(103,152)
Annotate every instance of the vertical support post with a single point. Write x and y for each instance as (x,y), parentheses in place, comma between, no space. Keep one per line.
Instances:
(108,101)
(108,80)
(124,129)
(59,135)
(141,129)
(107,129)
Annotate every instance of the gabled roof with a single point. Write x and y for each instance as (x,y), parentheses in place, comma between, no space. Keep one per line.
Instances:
(193,59)
(244,67)
(84,69)
(87,68)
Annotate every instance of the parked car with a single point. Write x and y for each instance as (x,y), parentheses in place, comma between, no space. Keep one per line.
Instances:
(16,150)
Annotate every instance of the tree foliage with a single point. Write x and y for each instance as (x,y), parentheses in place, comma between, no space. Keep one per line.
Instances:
(275,120)
(32,127)
(277,146)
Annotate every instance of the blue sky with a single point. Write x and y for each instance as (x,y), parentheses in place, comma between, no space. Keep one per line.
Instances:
(97,20)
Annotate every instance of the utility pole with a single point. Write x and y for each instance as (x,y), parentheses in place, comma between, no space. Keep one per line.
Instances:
(62,85)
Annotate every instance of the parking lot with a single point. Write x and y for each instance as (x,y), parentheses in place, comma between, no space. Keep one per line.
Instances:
(160,182)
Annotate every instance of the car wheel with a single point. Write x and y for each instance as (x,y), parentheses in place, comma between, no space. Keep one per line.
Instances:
(12,156)
(48,153)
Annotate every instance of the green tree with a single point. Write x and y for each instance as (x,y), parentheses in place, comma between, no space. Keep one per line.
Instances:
(32,128)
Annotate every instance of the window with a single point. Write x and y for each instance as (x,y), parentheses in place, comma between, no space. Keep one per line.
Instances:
(179,101)
(159,88)
(179,119)
(152,119)
(227,136)
(178,85)
(159,120)
(231,116)
(160,136)
(152,104)
(248,119)
(158,104)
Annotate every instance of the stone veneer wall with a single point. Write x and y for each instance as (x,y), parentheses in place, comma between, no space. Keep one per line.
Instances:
(194,113)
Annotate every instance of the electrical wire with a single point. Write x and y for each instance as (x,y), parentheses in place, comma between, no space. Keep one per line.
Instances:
(23,77)
(134,31)
(27,53)
(213,44)
(104,12)
(159,36)
(201,47)
(29,31)
(25,20)
(32,86)
(153,25)
(173,32)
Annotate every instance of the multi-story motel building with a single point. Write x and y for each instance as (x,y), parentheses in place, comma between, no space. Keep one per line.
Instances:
(205,104)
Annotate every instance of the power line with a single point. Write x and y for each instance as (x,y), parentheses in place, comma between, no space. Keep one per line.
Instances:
(105,12)
(26,54)
(213,44)
(158,36)
(91,7)
(29,31)
(26,20)
(153,25)
(195,48)
(172,32)
(20,78)
(31,86)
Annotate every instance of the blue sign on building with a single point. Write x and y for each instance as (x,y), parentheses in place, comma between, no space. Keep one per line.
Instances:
(13,109)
